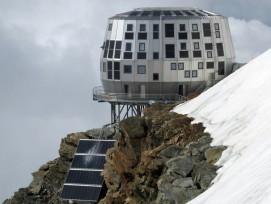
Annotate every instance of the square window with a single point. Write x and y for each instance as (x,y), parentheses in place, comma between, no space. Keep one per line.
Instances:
(142,36)
(182,27)
(110,26)
(183,46)
(155,76)
(210,65)
(127,55)
(142,27)
(141,55)
(141,46)
(195,35)
(127,69)
(181,66)
(200,65)
(183,54)
(208,46)
(197,53)
(129,36)
(128,47)
(117,54)
(196,45)
(186,74)
(155,27)
(129,27)
(217,34)
(194,73)
(194,27)
(173,66)
(182,36)
(155,35)
(141,69)
(209,54)
(156,55)
(216,26)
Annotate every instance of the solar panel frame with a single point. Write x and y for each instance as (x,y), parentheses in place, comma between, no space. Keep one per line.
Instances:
(82,193)
(84,177)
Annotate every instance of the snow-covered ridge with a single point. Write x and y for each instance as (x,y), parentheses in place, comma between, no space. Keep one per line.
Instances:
(237,113)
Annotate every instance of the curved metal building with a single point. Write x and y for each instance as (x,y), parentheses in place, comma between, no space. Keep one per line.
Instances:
(165,51)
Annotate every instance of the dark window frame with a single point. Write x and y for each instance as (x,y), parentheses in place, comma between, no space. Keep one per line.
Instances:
(155,77)
(170,50)
(127,69)
(129,27)
(169,30)
(187,74)
(173,66)
(180,66)
(140,71)
(155,55)
(194,73)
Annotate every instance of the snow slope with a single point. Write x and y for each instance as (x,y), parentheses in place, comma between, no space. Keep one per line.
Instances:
(237,113)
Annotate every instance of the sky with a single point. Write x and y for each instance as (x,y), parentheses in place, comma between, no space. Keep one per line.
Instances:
(49,63)
(236,112)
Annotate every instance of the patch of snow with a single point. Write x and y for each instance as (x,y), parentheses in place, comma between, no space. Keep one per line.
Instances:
(237,114)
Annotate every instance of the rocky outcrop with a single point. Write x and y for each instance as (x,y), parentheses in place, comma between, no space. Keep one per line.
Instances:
(159,158)
(162,158)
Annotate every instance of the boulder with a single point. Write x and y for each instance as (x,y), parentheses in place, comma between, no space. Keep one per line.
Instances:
(180,165)
(183,182)
(213,154)
(171,151)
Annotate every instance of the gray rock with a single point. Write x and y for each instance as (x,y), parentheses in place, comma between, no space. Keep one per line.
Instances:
(213,154)
(180,165)
(181,195)
(203,173)
(183,182)
(171,151)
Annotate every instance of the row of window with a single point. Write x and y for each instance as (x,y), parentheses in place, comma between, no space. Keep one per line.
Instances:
(170,27)
(114,72)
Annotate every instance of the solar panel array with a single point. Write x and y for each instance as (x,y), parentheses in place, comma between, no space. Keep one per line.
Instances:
(84,180)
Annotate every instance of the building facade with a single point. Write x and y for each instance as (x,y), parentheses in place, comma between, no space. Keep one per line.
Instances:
(165,51)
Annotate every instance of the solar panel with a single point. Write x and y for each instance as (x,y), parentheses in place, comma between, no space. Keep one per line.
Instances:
(156,13)
(178,13)
(84,180)
(135,13)
(145,13)
(167,13)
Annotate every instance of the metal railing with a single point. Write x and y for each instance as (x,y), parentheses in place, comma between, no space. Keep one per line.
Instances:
(100,95)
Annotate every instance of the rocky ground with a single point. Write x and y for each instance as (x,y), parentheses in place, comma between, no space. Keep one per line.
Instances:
(158,158)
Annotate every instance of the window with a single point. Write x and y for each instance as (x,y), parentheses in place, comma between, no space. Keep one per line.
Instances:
(208,46)
(141,46)
(111,48)
(197,53)
(195,35)
(196,45)
(127,55)
(141,69)
(155,31)
(220,51)
(186,74)
(117,70)
(216,26)
(181,66)
(109,70)
(142,27)
(217,34)
(210,65)
(129,27)
(221,68)
(110,26)
(141,55)
(173,66)
(182,27)
(194,27)
(182,36)
(105,53)
(104,66)
(209,54)
(117,50)
(184,54)
(200,65)
(142,36)
(128,47)
(206,29)
(194,73)
(127,69)
(170,51)
(155,76)
(169,30)
(183,46)
(155,55)
(129,36)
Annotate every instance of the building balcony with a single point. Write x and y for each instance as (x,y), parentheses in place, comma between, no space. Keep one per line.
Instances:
(141,99)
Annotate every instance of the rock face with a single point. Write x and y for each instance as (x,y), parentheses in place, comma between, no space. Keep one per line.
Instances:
(162,158)
(159,158)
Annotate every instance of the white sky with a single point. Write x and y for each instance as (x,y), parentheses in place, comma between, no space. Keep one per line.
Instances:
(49,63)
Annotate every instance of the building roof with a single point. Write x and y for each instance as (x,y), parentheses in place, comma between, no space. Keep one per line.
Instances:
(155,13)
